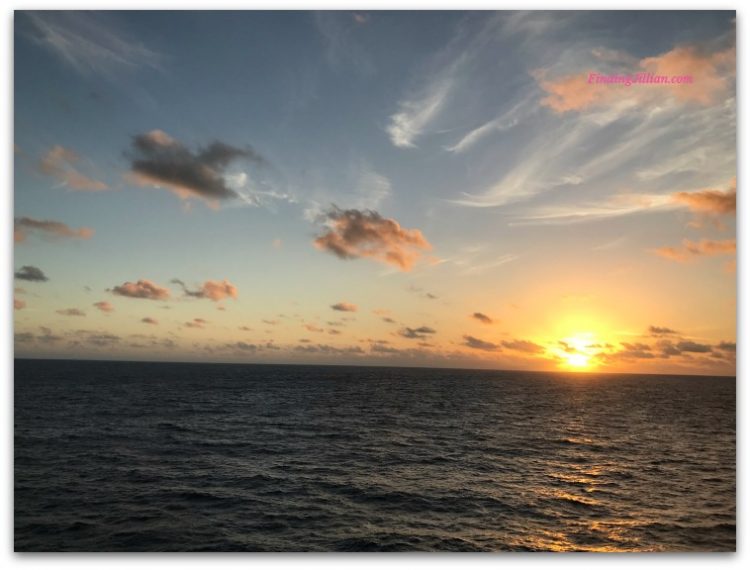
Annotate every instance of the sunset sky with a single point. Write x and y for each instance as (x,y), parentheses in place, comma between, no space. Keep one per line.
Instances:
(423,189)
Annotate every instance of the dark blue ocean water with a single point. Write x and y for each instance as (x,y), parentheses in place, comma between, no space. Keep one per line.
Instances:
(115,456)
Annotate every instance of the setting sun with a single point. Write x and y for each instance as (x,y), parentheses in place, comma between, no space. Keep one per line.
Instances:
(578,350)
(578,360)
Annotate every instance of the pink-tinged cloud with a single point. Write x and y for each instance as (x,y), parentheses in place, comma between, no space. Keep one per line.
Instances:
(196,324)
(142,289)
(705,247)
(71,313)
(313,328)
(60,162)
(104,306)
(213,290)
(710,201)
(353,234)
(24,226)
(18,304)
(344,306)
(149,321)
(712,75)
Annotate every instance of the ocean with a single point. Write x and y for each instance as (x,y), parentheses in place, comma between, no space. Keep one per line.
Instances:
(135,456)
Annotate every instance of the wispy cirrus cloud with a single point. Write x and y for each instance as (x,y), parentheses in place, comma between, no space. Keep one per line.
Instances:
(24,226)
(354,234)
(88,42)
(584,137)
(60,164)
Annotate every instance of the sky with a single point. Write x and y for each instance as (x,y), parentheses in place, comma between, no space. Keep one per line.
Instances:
(444,189)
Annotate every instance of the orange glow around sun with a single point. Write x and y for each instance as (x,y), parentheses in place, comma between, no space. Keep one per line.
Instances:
(577,352)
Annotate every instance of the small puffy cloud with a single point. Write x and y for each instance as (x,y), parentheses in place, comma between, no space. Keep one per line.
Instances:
(482,318)
(71,313)
(149,321)
(479,344)
(313,328)
(710,201)
(691,250)
(30,273)
(418,333)
(104,306)
(345,307)
(142,289)
(354,234)
(18,304)
(159,160)
(24,226)
(196,323)
(660,331)
(60,162)
(213,290)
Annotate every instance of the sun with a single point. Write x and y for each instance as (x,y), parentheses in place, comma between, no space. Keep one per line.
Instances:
(578,360)
(578,351)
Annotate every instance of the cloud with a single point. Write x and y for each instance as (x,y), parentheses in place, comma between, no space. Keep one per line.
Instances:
(30,273)
(46,337)
(479,344)
(482,318)
(727,346)
(18,304)
(523,346)
(328,349)
(158,160)
(660,331)
(354,234)
(87,42)
(420,333)
(415,114)
(213,290)
(691,250)
(344,306)
(712,76)
(104,306)
(59,163)
(710,201)
(142,289)
(71,313)
(22,227)
(338,31)
(690,346)
(149,321)
(313,328)
(196,323)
